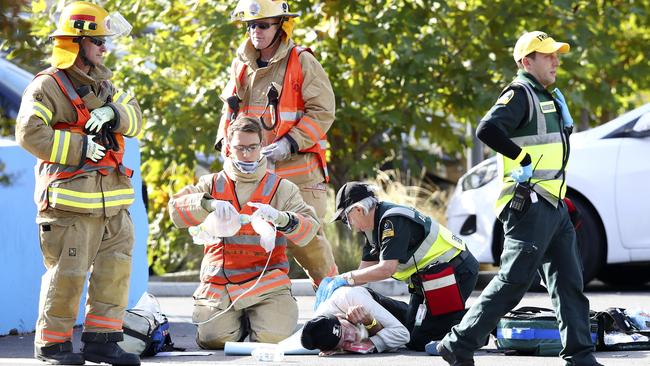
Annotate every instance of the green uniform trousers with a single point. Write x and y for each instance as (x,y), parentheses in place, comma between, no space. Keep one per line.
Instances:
(540,238)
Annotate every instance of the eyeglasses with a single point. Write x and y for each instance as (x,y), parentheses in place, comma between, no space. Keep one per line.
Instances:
(344,219)
(97,41)
(246,149)
(261,25)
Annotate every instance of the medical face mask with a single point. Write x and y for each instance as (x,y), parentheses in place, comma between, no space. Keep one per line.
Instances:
(246,167)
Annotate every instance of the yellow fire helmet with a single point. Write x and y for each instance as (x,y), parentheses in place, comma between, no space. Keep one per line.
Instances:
(248,10)
(83,19)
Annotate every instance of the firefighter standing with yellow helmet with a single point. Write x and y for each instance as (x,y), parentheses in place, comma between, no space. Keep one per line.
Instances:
(282,84)
(74,121)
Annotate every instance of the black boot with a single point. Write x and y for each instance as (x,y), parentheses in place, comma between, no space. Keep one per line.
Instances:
(59,354)
(102,347)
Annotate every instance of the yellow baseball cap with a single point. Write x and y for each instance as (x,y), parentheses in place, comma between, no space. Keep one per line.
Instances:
(537,42)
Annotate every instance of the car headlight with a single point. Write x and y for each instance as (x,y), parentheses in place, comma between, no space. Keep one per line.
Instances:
(480,175)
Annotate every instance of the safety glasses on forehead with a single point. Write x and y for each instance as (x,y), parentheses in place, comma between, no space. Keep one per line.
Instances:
(97,41)
(260,25)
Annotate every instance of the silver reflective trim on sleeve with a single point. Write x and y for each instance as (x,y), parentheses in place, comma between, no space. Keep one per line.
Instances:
(549,138)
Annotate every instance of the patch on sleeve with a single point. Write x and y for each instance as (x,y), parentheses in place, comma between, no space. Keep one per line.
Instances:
(505,98)
(38,96)
(387,230)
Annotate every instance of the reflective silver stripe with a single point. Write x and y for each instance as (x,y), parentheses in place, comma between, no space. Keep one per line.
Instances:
(263,282)
(541,120)
(89,199)
(43,112)
(55,196)
(544,174)
(60,146)
(510,190)
(424,246)
(270,183)
(549,138)
(323,144)
(53,168)
(439,282)
(221,183)
(252,240)
(69,89)
(446,256)
(218,271)
(133,125)
(309,167)
(123,97)
(291,116)
(308,126)
(401,211)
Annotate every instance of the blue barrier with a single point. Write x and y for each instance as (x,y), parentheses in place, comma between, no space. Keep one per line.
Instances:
(21,263)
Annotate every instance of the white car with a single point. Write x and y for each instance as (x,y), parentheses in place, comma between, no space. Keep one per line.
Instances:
(609,183)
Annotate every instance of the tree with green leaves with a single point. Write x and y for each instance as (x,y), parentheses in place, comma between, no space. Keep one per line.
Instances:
(402,71)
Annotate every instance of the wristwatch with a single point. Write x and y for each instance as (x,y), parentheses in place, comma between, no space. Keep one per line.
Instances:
(348,278)
(371,325)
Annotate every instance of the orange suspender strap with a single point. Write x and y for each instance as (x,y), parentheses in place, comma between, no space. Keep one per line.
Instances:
(68,89)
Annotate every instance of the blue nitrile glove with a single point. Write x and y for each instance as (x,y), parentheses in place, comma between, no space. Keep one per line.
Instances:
(336,282)
(523,173)
(322,288)
(564,110)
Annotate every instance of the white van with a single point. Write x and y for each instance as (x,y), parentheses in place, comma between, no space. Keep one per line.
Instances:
(609,183)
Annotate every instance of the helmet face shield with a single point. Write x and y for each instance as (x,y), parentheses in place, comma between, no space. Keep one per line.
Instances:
(117,25)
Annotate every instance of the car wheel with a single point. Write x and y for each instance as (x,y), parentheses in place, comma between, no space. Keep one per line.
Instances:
(590,238)
(629,275)
(589,235)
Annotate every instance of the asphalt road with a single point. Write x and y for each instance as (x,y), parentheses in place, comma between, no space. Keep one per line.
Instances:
(18,350)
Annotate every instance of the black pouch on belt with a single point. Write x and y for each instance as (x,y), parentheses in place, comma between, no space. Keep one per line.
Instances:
(521,199)
(441,289)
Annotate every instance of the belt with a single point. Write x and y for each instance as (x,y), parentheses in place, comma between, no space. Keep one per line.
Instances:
(448,257)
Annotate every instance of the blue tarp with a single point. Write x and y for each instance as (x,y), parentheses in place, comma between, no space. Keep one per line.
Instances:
(21,263)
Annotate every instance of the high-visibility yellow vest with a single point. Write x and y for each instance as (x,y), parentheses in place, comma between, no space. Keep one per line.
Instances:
(544,139)
(439,244)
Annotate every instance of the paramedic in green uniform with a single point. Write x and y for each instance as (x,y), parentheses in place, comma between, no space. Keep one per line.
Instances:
(404,244)
(529,127)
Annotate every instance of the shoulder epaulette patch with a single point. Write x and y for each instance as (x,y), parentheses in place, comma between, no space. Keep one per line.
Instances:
(505,98)
(387,230)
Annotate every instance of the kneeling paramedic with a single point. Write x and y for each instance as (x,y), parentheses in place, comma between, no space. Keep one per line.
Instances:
(237,297)
(74,120)
(403,243)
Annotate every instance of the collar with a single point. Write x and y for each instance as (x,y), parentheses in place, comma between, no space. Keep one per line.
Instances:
(236,176)
(526,76)
(378,211)
(97,75)
(249,55)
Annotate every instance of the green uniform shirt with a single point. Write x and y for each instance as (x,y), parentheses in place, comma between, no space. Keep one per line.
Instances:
(511,115)
(510,112)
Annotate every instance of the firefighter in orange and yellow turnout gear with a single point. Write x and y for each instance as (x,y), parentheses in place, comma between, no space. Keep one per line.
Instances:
(74,121)
(232,268)
(286,88)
